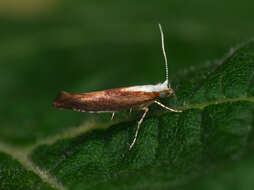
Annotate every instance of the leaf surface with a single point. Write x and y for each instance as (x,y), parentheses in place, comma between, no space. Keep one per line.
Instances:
(211,141)
(13,175)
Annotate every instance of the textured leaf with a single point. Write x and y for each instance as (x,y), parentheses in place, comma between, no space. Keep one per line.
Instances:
(211,141)
(14,176)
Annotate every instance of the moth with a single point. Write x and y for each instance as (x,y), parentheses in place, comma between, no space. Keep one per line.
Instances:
(125,98)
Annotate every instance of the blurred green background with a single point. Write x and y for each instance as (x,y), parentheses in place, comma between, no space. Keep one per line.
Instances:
(80,46)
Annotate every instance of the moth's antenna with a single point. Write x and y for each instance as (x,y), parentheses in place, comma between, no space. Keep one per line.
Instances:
(163,51)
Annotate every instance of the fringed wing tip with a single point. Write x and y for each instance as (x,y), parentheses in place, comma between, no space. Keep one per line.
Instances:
(60,98)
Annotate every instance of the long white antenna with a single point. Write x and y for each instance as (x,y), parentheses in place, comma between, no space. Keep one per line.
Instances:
(163,51)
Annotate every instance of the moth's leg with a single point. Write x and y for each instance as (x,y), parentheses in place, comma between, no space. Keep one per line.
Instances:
(165,107)
(130,110)
(112,116)
(139,123)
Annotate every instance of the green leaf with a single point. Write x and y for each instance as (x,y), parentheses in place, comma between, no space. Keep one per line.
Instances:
(209,145)
(13,175)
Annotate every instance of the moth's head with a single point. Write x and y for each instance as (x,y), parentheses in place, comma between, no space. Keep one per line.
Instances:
(164,89)
(166,93)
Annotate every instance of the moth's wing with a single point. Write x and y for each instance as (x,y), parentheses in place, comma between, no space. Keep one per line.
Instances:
(103,101)
(66,100)
(128,99)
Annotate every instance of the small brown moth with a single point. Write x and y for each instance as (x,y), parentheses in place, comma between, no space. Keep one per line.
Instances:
(114,100)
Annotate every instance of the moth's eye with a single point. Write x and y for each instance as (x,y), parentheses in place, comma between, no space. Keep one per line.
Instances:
(162,94)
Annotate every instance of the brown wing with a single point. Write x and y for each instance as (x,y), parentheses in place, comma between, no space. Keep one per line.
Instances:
(103,101)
